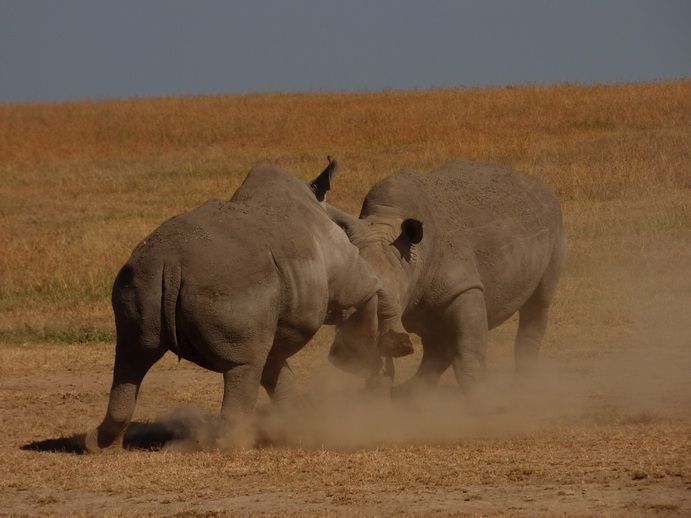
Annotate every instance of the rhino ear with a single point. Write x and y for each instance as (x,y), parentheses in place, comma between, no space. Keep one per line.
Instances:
(412,230)
(322,183)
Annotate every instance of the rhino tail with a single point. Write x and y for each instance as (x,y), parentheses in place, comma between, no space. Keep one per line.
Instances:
(172,277)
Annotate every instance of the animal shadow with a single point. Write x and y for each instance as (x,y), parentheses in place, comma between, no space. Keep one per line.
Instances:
(139,436)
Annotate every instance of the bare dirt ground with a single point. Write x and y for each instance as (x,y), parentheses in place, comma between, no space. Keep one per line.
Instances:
(597,435)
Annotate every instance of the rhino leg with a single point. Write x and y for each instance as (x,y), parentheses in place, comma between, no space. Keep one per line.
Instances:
(458,339)
(437,354)
(131,365)
(468,331)
(280,384)
(240,390)
(469,334)
(533,318)
(532,324)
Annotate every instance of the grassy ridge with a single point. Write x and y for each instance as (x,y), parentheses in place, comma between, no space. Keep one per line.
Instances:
(543,128)
(82,182)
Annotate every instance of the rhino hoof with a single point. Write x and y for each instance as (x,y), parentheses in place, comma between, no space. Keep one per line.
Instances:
(395,345)
(89,441)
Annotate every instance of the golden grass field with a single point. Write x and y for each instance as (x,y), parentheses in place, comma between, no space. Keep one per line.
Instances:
(604,431)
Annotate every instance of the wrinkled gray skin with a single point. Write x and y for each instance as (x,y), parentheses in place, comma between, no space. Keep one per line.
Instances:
(237,287)
(461,249)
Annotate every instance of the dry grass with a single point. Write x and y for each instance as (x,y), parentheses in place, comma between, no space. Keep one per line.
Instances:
(604,432)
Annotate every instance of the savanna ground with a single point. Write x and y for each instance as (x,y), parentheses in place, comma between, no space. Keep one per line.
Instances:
(605,430)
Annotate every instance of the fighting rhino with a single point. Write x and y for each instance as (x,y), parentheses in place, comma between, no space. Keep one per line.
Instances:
(239,286)
(460,250)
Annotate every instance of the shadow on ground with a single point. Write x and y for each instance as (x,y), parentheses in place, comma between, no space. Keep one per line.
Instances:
(139,436)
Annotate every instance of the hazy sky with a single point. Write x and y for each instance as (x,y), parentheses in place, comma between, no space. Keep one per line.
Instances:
(67,49)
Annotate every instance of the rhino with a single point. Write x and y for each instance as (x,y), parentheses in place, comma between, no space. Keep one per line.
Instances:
(239,286)
(460,250)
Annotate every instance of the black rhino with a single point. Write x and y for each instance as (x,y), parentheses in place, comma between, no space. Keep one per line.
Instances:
(237,287)
(460,250)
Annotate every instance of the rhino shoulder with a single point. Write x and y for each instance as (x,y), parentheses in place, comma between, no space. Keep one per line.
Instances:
(456,272)
(266,183)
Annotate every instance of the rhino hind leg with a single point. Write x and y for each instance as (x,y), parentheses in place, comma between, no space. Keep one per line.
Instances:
(533,319)
(241,384)
(532,325)
(131,365)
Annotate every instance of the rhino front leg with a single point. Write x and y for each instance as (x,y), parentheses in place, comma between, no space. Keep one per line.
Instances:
(469,332)
(437,354)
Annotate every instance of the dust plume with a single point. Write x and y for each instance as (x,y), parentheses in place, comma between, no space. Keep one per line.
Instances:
(634,370)
(644,382)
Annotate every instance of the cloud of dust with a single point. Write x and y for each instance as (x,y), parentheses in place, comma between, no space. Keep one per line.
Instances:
(645,382)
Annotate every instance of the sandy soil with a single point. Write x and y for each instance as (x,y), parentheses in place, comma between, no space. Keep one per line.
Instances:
(590,439)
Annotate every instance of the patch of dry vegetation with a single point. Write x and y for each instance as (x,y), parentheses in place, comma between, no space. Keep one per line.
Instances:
(605,431)
(82,182)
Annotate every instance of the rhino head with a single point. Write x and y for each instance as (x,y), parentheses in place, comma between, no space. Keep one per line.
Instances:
(391,240)
(392,237)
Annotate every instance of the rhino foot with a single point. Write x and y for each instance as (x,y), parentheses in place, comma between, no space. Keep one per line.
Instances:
(395,345)
(90,443)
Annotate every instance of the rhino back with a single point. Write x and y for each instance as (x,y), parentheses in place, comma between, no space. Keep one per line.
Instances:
(468,196)
(254,261)
(507,222)
(210,245)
